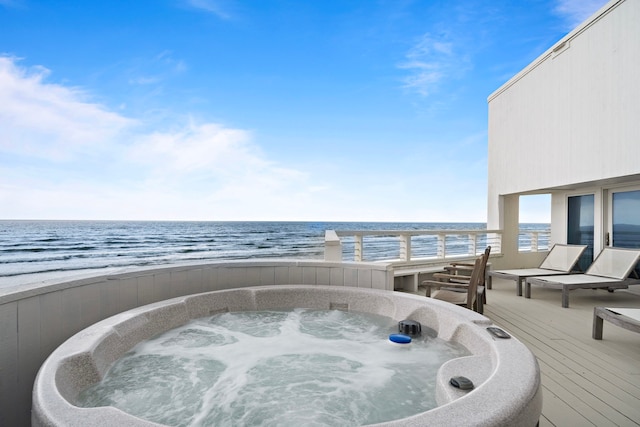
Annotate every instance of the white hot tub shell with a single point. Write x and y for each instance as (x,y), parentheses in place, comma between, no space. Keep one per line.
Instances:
(505,373)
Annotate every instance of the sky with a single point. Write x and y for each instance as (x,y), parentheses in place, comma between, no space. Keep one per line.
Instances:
(263,110)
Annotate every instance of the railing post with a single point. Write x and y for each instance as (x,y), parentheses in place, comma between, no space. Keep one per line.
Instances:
(473,244)
(405,247)
(332,246)
(357,248)
(441,251)
(534,241)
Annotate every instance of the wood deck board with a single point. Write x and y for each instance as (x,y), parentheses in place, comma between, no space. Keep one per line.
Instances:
(566,409)
(608,390)
(585,381)
(602,399)
(593,404)
(581,354)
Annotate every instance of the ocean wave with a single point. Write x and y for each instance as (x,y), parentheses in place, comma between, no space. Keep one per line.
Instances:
(31,247)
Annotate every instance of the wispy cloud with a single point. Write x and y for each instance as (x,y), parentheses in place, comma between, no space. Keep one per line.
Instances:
(576,11)
(220,8)
(197,147)
(175,65)
(50,120)
(60,153)
(431,61)
(222,164)
(148,71)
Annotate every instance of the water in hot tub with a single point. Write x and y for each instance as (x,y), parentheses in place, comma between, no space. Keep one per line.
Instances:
(276,368)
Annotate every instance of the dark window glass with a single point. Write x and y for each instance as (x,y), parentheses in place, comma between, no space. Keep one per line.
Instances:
(626,220)
(580,227)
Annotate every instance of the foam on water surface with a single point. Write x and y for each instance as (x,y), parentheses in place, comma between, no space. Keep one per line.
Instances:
(300,367)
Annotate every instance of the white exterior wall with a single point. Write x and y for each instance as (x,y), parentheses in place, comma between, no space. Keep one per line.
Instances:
(569,123)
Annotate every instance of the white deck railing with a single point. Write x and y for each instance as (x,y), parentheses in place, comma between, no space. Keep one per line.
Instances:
(417,245)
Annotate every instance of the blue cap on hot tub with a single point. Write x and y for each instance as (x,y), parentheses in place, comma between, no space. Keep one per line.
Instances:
(400,338)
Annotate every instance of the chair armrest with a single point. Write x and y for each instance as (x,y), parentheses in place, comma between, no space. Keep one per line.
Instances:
(457,268)
(445,278)
(429,284)
(455,285)
(433,283)
(460,279)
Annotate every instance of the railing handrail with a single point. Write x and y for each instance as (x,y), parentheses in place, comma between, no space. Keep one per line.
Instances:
(412,232)
(334,252)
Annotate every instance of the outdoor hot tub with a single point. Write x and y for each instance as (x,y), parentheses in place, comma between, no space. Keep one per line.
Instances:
(504,372)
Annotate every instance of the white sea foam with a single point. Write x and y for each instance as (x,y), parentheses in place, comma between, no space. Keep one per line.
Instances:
(34,251)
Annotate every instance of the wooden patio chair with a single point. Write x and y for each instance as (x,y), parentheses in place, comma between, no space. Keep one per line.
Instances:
(471,299)
(462,269)
(459,273)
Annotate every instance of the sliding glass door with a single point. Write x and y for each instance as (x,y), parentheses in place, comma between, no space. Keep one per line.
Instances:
(580,226)
(625,220)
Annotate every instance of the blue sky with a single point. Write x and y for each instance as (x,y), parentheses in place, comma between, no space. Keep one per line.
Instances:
(333,110)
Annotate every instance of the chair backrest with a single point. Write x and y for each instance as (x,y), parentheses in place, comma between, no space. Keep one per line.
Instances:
(615,263)
(562,257)
(477,275)
(487,252)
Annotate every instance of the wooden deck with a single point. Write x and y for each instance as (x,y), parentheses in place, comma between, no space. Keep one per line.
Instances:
(585,382)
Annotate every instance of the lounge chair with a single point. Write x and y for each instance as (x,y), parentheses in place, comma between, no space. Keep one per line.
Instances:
(609,270)
(560,260)
(628,318)
(472,298)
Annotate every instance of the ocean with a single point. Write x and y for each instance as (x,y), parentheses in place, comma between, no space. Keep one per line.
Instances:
(33,251)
